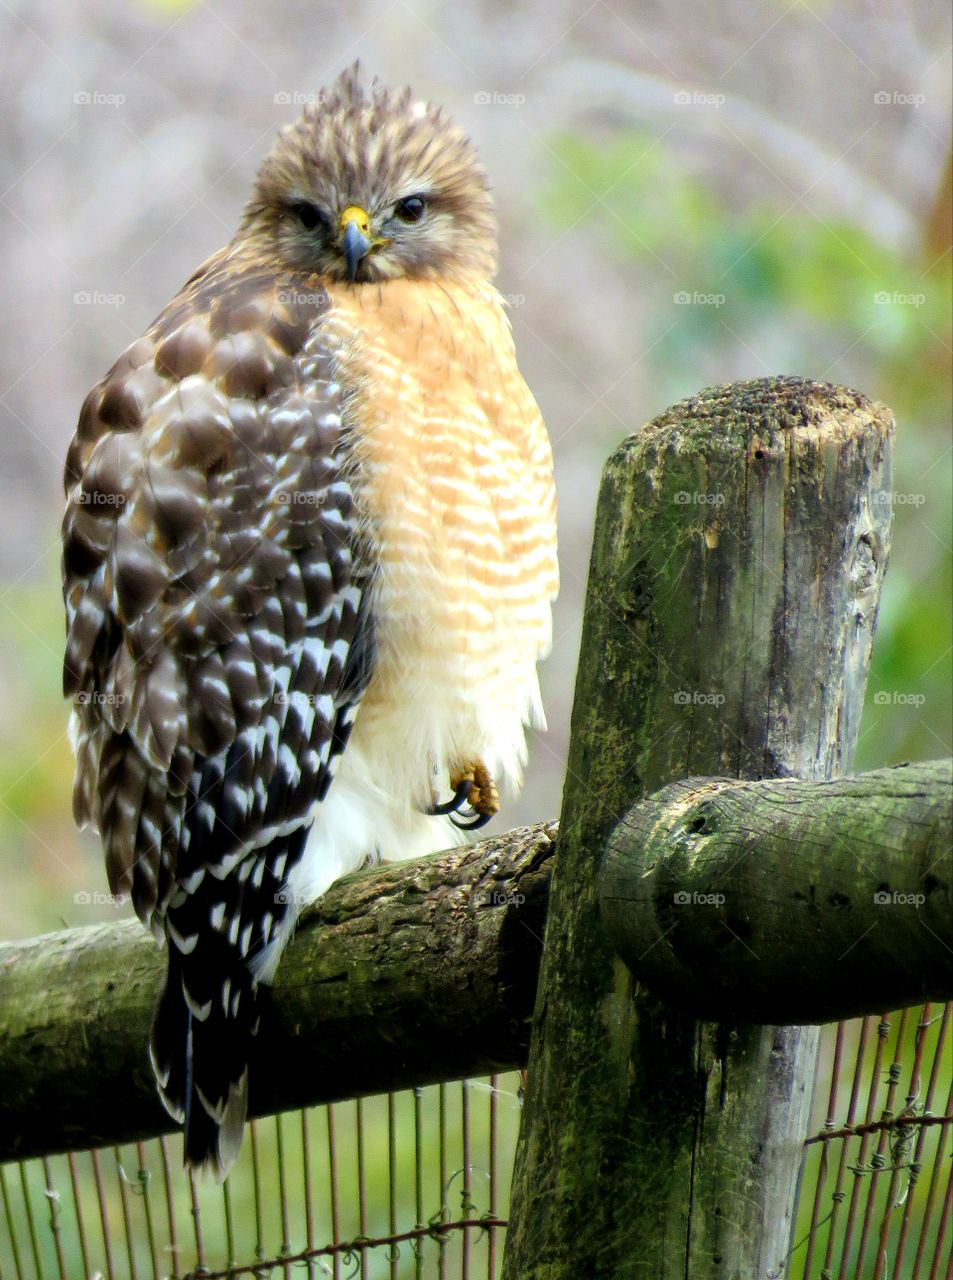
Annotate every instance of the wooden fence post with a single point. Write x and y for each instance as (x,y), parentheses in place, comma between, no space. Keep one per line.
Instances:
(740,544)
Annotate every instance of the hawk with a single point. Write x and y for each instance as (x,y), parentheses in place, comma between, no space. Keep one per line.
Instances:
(309,559)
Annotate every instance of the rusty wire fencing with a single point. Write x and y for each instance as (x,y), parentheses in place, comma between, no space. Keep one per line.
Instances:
(402,1186)
(876,1187)
(414,1185)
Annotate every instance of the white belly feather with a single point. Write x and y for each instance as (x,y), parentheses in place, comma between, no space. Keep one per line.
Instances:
(456,492)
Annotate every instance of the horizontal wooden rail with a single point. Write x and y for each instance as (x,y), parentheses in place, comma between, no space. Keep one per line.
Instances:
(785,901)
(402,975)
(424,971)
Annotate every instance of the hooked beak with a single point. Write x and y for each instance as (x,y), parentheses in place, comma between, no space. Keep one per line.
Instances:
(354,239)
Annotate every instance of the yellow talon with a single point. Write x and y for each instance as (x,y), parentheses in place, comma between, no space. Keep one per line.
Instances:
(474,788)
(484,797)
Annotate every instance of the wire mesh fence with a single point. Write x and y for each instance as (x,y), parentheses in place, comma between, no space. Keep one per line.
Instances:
(414,1185)
(876,1188)
(398,1186)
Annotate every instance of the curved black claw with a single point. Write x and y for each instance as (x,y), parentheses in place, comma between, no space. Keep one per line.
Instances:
(479,821)
(460,797)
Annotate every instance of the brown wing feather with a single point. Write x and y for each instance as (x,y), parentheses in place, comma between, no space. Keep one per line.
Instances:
(210,565)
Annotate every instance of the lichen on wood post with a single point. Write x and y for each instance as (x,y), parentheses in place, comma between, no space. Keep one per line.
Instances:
(740,544)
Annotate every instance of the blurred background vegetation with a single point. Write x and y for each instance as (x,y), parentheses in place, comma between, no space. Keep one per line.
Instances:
(688,194)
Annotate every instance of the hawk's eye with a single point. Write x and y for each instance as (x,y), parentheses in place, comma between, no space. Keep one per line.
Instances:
(308,214)
(410,209)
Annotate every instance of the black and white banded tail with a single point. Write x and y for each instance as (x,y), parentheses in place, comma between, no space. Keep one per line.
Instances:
(223,934)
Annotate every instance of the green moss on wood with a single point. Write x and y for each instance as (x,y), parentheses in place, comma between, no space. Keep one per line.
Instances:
(738,555)
(788,901)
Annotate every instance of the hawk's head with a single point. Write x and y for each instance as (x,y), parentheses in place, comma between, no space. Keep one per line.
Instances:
(369,184)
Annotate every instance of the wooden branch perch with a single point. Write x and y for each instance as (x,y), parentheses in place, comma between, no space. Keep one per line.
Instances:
(426,970)
(401,976)
(787,901)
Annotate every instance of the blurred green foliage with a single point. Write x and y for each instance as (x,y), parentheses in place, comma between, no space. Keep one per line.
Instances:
(832,303)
